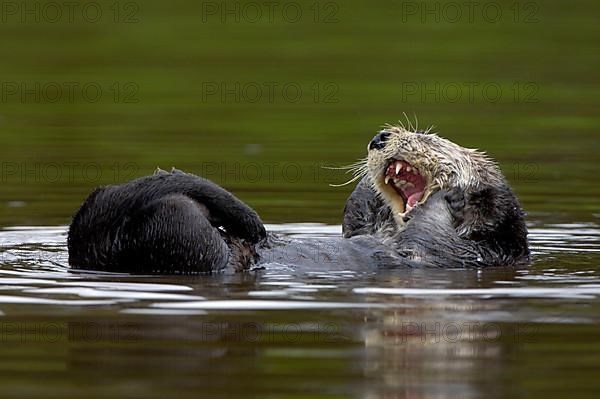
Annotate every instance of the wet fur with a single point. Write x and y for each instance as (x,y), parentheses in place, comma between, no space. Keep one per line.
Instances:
(488,226)
(171,222)
(175,222)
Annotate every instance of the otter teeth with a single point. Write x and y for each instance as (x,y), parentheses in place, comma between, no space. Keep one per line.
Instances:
(398,182)
(398,178)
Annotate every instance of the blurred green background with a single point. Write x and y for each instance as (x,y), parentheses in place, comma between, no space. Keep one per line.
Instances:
(259,97)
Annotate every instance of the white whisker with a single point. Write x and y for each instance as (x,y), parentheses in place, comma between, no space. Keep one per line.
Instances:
(359,169)
(358,164)
(355,178)
(410,126)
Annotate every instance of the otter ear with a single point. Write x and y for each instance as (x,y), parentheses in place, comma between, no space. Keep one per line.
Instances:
(159,171)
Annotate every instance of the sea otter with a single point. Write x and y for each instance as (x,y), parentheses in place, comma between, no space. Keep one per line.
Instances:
(422,200)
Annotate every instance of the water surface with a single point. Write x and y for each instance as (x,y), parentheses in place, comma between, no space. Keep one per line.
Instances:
(285,332)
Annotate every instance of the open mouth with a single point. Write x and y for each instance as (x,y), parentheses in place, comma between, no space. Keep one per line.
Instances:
(406,181)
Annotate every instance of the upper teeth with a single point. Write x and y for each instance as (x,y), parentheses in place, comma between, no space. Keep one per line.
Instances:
(396,178)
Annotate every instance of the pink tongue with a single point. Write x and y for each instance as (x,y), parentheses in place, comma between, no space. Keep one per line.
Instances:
(413,196)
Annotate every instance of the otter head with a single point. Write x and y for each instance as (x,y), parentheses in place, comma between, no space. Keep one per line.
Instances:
(406,167)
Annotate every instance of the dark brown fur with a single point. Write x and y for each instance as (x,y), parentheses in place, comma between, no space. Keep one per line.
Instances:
(175,222)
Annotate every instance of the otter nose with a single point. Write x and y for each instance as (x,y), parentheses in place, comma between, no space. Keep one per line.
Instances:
(379,140)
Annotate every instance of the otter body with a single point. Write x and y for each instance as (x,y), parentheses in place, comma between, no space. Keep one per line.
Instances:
(165,223)
(412,207)
(180,223)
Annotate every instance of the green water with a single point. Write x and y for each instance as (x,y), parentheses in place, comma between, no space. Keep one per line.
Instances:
(91,103)
(260,103)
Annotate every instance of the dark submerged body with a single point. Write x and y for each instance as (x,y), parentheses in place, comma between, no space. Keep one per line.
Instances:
(166,223)
(180,223)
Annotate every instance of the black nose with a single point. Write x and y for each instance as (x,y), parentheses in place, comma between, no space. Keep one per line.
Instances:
(379,140)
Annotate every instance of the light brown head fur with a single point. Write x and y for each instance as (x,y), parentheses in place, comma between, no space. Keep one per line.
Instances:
(441,162)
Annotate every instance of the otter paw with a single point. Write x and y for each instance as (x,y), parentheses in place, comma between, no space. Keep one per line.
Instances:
(455,198)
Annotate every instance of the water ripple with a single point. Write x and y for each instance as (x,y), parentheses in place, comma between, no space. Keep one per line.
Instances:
(33,271)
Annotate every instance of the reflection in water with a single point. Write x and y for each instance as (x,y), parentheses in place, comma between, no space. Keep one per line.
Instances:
(402,333)
(436,349)
(213,355)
